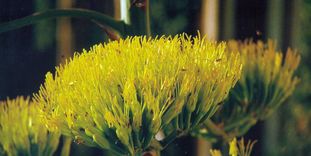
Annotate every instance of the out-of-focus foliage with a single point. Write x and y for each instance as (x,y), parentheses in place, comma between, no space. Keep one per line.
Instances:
(296,132)
(267,80)
(21,131)
(173,17)
(296,121)
(118,95)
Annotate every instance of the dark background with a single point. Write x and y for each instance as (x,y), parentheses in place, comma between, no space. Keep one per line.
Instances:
(26,54)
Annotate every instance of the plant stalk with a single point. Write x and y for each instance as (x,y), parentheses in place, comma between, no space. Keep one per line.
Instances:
(148,24)
(66,146)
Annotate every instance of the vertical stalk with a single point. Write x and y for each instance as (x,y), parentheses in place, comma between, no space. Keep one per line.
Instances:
(209,27)
(275,20)
(148,25)
(295,21)
(209,19)
(124,11)
(64,34)
(43,29)
(274,31)
(203,147)
(117,9)
(228,19)
(66,146)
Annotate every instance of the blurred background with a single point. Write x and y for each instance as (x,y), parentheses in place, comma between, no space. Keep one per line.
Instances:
(28,53)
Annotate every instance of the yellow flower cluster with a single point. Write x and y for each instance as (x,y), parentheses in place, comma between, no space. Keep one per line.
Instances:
(236,148)
(217,76)
(267,77)
(21,131)
(267,81)
(119,95)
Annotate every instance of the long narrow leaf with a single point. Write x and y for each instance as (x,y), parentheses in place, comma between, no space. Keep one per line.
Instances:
(119,26)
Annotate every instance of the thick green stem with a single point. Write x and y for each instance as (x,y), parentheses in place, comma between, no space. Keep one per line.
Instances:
(119,26)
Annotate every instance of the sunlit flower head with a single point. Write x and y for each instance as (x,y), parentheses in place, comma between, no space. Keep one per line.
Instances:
(21,131)
(119,95)
(268,77)
(267,81)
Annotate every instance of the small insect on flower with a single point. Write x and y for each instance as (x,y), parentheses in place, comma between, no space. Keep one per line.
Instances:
(21,131)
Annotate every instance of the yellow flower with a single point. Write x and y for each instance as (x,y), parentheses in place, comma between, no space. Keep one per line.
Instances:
(119,95)
(237,148)
(215,153)
(21,131)
(267,81)
(233,148)
(268,77)
(205,88)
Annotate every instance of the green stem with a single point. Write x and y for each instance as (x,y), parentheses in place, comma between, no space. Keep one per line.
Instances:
(148,29)
(238,122)
(66,146)
(215,129)
(169,139)
(138,153)
(119,26)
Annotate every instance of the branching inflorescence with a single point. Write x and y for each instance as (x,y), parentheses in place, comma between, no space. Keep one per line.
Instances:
(119,95)
(267,81)
(21,131)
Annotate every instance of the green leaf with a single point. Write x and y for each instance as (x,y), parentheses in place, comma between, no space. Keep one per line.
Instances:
(98,17)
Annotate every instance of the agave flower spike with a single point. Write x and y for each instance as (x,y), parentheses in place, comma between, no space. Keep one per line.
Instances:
(21,131)
(210,86)
(267,81)
(119,95)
